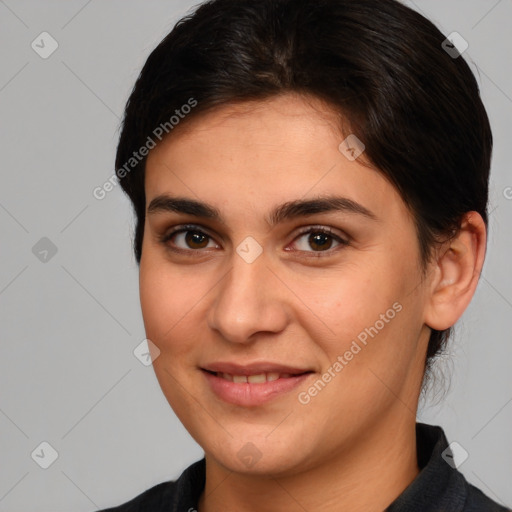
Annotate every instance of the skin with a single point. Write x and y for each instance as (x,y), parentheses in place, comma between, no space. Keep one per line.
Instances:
(352,447)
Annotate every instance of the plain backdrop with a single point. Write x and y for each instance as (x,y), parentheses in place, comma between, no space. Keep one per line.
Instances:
(69,309)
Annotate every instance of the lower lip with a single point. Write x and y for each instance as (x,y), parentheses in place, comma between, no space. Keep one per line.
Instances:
(252,394)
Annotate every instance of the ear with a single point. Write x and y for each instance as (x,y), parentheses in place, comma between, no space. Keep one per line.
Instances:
(456,273)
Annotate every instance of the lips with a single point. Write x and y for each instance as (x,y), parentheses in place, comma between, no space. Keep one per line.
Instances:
(254,369)
(253,379)
(252,384)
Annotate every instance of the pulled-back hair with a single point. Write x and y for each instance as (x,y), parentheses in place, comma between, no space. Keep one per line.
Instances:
(378,63)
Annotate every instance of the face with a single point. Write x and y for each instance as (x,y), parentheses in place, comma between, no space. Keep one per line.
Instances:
(287,331)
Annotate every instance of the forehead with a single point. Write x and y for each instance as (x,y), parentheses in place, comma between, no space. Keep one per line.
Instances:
(265,153)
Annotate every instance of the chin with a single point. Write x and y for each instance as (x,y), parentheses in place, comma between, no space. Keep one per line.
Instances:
(258,456)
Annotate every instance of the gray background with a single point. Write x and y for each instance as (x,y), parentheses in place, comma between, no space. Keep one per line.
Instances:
(69,325)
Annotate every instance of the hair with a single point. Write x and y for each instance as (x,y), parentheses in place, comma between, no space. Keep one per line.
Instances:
(378,63)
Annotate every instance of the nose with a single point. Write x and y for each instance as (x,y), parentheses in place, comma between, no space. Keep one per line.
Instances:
(249,299)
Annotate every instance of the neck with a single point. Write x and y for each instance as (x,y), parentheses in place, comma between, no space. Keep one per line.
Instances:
(367,477)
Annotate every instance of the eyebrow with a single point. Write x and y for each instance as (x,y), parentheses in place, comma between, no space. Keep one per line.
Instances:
(286,211)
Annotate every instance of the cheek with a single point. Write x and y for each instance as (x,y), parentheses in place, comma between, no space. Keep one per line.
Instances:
(346,301)
(366,314)
(166,300)
(174,303)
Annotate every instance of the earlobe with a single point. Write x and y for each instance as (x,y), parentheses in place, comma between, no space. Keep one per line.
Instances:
(457,271)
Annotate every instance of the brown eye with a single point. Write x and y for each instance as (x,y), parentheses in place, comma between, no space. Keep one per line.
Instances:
(319,240)
(196,239)
(188,238)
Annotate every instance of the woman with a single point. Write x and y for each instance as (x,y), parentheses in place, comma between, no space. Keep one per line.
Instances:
(310,181)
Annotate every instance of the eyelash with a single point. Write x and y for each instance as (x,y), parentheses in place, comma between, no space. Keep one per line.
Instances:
(165,239)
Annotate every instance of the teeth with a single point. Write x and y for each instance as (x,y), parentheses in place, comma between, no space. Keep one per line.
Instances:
(254,379)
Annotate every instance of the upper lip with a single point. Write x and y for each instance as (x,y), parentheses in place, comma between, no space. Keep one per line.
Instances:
(253,368)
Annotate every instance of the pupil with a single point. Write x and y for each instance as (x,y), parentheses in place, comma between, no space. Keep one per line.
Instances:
(319,239)
(193,237)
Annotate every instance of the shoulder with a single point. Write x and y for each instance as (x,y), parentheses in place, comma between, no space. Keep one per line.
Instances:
(451,486)
(181,494)
(440,486)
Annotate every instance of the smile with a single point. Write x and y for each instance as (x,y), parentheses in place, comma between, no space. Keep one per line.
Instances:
(253,379)
(253,390)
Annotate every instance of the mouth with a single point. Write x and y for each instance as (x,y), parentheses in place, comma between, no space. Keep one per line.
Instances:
(253,385)
(256,378)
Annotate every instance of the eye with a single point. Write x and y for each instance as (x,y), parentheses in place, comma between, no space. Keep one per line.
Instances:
(188,238)
(320,239)
(191,238)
